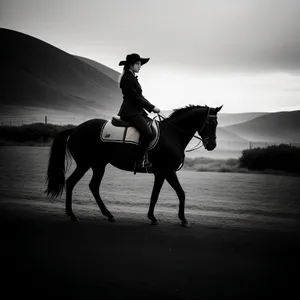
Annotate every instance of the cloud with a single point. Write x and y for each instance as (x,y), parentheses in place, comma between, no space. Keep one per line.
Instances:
(235,35)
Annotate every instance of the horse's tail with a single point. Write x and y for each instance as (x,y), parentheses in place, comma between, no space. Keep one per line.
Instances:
(56,168)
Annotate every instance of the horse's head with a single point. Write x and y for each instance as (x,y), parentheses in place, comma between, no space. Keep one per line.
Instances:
(207,131)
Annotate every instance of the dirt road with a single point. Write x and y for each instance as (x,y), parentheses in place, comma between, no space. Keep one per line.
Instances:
(244,242)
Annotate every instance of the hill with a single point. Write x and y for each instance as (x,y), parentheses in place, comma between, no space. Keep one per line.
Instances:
(281,127)
(114,75)
(226,119)
(229,140)
(35,74)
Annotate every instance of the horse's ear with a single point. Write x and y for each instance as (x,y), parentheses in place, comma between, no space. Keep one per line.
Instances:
(219,108)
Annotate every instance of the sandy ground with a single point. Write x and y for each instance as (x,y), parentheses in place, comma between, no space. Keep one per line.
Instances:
(244,242)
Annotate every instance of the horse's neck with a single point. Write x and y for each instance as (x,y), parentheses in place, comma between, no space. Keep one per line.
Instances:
(185,126)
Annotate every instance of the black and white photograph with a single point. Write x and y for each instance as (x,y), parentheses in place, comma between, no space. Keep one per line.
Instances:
(150,149)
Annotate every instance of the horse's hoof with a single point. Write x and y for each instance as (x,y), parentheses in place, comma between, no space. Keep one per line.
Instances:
(185,224)
(73,218)
(112,219)
(154,222)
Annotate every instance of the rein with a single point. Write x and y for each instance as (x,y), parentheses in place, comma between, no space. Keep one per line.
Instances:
(198,146)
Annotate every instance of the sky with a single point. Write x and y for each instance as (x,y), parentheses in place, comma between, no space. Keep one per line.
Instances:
(243,54)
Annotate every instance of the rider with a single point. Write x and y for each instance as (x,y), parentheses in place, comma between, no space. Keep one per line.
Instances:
(134,103)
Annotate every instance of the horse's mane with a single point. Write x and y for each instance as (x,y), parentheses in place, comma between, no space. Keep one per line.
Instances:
(178,111)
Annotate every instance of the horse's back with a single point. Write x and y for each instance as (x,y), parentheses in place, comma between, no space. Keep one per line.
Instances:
(86,134)
(92,123)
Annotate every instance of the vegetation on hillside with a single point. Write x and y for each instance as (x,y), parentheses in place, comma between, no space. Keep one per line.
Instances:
(30,134)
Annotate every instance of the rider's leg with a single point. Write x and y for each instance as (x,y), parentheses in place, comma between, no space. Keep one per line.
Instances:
(140,123)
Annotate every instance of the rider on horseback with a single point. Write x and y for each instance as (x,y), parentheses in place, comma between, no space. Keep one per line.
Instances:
(134,103)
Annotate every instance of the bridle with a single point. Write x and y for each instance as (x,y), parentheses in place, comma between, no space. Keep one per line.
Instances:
(208,120)
(203,140)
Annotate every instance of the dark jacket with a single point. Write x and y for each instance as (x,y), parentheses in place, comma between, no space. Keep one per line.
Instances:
(133,101)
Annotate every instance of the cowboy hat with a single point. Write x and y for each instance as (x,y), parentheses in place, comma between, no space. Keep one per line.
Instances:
(131,59)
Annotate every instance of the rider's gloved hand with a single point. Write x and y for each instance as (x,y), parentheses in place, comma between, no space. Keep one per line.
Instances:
(156,110)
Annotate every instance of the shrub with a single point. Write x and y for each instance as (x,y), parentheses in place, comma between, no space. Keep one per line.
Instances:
(203,164)
(280,157)
(36,132)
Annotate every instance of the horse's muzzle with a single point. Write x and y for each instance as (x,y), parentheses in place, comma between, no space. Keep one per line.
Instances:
(210,144)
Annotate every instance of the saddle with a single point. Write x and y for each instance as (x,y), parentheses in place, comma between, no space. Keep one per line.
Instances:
(119,131)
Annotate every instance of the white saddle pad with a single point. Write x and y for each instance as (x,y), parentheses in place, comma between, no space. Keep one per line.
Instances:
(115,134)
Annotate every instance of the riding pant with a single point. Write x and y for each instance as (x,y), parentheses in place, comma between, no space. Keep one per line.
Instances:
(140,123)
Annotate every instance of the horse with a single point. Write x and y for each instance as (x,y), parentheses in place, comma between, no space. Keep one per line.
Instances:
(84,145)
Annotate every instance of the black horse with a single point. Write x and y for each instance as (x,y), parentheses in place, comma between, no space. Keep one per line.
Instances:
(89,151)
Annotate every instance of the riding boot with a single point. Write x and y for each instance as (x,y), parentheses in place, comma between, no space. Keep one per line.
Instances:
(142,157)
(145,161)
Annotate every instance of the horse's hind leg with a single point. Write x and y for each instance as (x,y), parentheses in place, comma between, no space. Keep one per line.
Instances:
(98,172)
(70,183)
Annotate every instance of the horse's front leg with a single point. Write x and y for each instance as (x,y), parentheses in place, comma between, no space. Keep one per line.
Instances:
(175,184)
(158,182)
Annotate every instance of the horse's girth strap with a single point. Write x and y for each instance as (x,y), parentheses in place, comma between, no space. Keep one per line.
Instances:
(125,133)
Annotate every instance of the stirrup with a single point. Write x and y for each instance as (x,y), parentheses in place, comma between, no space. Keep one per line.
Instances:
(146,164)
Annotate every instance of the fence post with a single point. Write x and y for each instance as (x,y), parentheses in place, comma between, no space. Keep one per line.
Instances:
(46,120)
